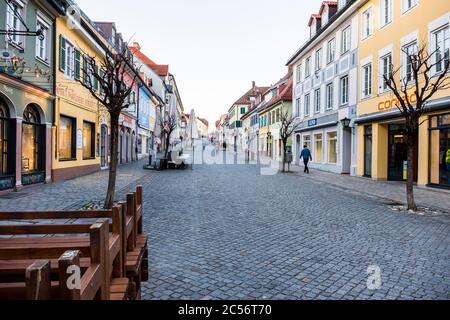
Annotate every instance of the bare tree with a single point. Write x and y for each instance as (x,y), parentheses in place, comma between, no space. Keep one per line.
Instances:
(110,83)
(288,125)
(424,75)
(168,125)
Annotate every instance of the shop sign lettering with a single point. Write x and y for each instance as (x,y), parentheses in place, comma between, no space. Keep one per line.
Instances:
(393,103)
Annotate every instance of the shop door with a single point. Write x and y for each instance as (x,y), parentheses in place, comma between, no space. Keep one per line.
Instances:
(398,154)
(368,151)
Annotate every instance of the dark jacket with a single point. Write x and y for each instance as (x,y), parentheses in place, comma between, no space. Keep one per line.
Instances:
(306,154)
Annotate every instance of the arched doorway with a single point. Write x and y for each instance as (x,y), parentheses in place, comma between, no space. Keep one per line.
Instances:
(103,147)
(33,146)
(7,155)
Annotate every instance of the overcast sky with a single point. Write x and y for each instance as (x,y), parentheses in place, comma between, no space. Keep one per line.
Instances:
(215,48)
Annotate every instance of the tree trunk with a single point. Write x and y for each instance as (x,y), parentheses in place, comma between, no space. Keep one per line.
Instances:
(283,156)
(410,179)
(114,148)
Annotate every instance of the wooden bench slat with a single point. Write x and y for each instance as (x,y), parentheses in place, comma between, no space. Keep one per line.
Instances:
(33,215)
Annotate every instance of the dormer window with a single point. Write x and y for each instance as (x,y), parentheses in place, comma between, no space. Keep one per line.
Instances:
(113,36)
(342,4)
(325,15)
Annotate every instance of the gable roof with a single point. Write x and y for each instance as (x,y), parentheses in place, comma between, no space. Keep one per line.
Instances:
(161,69)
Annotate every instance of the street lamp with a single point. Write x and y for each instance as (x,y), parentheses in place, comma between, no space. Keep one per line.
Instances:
(346,123)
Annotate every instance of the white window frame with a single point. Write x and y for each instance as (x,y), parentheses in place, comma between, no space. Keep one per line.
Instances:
(383,69)
(405,60)
(367,23)
(318,58)
(70,60)
(299,73)
(16,40)
(331,50)
(317,96)
(346,39)
(343,95)
(406,8)
(390,13)
(41,21)
(329,93)
(434,47)
(366,78)
(307,105)
(307,67)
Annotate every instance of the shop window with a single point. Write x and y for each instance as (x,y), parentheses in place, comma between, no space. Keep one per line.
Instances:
(31,140)
(88,140)
(67,137)
(440,150)
(307,141)
(318,150)
(332,147)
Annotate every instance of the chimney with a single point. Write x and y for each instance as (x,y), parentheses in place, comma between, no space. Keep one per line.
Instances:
(253,84)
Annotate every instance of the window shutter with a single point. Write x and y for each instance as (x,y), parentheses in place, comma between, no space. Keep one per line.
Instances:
(77,64)
(95,79)
(85,70)
(62,53)
(101,74)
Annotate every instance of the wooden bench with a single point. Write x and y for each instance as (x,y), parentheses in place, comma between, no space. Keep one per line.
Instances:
(97,269)
(127,243)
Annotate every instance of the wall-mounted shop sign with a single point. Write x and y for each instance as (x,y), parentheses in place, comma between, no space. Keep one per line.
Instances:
(393,103)
(79,139)
(312,123)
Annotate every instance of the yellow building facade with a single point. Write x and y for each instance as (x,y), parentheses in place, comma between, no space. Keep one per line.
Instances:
(80,133)
(388,28)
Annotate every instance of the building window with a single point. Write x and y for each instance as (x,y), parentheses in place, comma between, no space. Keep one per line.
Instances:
(299,73)
(318,150)
(308,67)
(297,107)
(441,44)
(317,101)
(367,80)
(67,138)
(344,90)
(4,139)
(278,115)
(386,65)
(69,69)
(307,105)
(243,110)
(88,140)
(318,59)
(440,150)
(332,147)
(331,50)
(409,51)
(329,97)
(31,140)
(14,12)
(408,5)
(367,23)
(42,42)
(346,37)
(307,141)
(386,12)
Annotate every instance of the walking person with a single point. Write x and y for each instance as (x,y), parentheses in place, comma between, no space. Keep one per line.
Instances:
(306,155)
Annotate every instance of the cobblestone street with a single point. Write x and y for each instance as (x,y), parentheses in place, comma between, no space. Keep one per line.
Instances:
(226,232)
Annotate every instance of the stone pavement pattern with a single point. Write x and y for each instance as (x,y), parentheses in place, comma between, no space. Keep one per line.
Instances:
(226,232)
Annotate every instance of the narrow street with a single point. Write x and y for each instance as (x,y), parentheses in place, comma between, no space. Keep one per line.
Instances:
(226,232)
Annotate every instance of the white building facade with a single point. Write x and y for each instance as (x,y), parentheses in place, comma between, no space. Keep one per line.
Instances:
(325,89)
